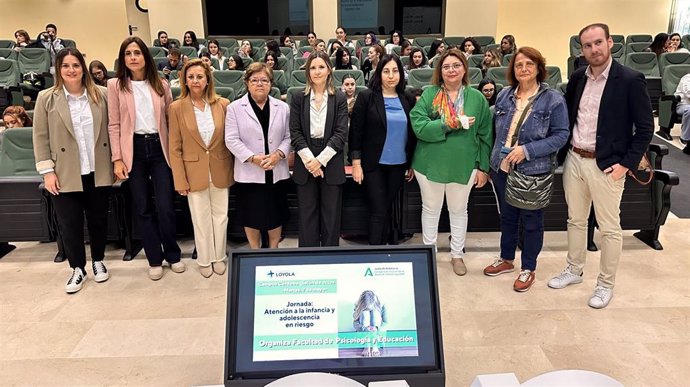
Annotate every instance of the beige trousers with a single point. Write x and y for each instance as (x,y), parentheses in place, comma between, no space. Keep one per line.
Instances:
(209,210)
(585,184)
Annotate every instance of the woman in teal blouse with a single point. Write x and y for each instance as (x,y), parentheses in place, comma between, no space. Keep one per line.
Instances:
(453,125)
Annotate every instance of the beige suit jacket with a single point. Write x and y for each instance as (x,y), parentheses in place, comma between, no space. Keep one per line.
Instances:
(55,145)
(192,162)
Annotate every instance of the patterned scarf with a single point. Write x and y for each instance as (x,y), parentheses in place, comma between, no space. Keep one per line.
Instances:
(446,108)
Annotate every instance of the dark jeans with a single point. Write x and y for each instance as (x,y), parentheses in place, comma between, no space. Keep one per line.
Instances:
(532,226)
(382,185)
(156,217)
(70,208)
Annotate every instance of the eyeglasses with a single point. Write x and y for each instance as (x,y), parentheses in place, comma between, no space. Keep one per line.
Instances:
(255,81)
(454,66)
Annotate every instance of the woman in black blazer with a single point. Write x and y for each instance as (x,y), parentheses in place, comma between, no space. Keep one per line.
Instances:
(382,142)
(318,129)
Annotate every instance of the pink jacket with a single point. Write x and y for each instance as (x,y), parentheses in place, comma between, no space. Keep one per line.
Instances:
(121,121)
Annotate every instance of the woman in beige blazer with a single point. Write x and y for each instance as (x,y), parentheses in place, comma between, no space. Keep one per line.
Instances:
(72,152)
(138,131)
(201,164)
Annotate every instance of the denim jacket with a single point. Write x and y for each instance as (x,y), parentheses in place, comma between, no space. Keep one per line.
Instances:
(543,133)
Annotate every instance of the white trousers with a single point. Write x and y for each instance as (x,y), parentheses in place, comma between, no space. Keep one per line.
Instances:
(457,196)
(209,209)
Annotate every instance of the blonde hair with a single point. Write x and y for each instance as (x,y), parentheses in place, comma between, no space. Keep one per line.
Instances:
(330,89)
(210,94)
(368,300)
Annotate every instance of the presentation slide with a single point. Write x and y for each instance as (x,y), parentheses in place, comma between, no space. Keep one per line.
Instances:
(330,311)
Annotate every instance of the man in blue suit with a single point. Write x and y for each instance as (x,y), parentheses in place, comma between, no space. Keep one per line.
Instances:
(611,125)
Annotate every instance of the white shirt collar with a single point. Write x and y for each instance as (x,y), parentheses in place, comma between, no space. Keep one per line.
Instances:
(73,97)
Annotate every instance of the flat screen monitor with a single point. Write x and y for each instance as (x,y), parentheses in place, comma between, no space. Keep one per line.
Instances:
(367,313)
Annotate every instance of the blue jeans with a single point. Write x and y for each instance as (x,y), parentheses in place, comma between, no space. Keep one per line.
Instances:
(532,226)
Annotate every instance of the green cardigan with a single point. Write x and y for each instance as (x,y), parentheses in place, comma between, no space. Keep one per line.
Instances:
(445,156)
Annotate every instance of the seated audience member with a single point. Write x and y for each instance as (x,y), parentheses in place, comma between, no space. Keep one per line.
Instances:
(349,88)
(311,39)
(488,88)
(271,60)
(675,44)
(343,60)
(16,117)
(206,58)
(22,39)
(333,48)
(272,45)
(683,108)
(174,62)
(341,37)
(395,40)
(417,61)
(235,62)
(191,41)
(508,45)
(492,58)
(49,40)
(435,50)
(163,41)
(659,44)
(470,46)
(245,50)
(99,73)
(214,50)
(370,39)
(286,41)
(405,48)
(375,53)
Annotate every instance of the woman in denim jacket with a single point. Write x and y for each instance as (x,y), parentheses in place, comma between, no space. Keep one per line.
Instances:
(544,131)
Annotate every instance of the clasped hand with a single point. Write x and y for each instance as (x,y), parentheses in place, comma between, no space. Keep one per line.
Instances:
(314,167)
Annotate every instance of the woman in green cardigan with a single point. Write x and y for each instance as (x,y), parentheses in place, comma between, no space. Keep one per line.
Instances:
(453,125)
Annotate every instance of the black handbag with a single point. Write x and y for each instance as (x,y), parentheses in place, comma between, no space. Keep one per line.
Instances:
(524,191)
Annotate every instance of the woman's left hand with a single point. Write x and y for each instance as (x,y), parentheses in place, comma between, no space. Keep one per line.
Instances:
(271,161)
(516,156)
(409,176)
(480,179)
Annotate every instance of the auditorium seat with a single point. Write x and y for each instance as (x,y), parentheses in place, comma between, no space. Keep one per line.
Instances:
(637,38)
(229,43)
(420,77)
(673,58)
(68,43)
(553,77)
(298,79)
(423,41)
(226,92)
(575,45)
(9,81)
(668,102)
(280,80)
(475,60)
(498,75)
(8,53)
(158,52)
(618,52)
(339,74)
(506,59)
(475,76)
(644,62)
(452,41)
(6,43)
(189,52)
(484,40)
(636,47)
(230,78)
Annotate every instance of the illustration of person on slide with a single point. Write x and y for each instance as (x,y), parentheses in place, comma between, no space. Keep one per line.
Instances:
(369,316)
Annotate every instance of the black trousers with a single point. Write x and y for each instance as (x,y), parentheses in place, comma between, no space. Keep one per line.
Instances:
(382,185)
(156,217)
(320,207)
(70,208)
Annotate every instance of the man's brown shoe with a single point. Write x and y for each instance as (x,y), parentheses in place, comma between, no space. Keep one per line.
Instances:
(459,267)
(499,266)
(524,281)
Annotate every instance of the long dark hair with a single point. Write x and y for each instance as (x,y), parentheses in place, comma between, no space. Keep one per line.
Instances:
(411,65)
(375,83)
(124,75)
(339,65)
(195,43)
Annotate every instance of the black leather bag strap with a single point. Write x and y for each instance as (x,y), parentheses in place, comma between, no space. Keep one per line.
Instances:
(513,140)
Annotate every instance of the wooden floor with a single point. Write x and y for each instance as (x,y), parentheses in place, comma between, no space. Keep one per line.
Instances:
(133,331)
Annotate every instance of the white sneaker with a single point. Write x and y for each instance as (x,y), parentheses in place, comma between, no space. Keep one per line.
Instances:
(76,281)
(601,297)
(100,273)
(567,277)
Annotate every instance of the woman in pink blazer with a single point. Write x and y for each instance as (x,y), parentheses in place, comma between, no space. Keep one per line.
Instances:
(137,105)
(257,132)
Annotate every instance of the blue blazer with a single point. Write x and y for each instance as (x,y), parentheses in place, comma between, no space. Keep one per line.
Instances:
(625,126)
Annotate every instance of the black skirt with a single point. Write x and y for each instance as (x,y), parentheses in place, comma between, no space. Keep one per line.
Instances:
(262,206)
